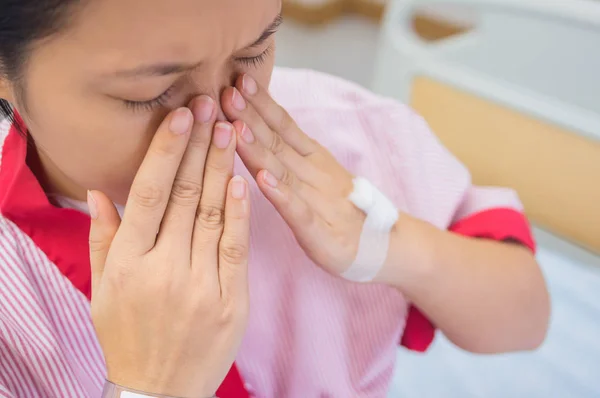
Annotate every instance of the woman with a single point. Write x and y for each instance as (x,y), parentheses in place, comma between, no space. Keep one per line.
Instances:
(146,104)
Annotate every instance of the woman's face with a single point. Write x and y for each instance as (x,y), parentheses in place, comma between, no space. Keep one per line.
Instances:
(96,92)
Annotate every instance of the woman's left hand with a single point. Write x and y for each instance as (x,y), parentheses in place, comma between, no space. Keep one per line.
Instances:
(301,178)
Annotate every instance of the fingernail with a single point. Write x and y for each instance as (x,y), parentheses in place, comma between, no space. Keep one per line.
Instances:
(203,109)
(247,135)
(181,121)
(222,135)
(237,100)
(249,85)
(238,187)
(92,206)
(270,179)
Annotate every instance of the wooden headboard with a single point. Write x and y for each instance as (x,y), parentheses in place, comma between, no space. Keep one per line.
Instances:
(556,172)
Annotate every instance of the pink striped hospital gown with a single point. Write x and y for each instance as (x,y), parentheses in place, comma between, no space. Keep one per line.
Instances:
(310,334)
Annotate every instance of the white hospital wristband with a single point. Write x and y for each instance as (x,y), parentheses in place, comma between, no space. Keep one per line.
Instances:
(374,242)
(112,390)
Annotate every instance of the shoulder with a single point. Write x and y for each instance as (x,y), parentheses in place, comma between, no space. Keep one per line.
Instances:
(298,89)
(320,100)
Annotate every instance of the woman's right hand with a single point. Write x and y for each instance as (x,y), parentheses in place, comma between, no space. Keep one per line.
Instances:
(169,284)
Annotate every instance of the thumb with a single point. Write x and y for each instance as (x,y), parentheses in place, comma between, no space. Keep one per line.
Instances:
(104,226)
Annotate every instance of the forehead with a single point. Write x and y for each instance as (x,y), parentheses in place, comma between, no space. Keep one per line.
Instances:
(130,31)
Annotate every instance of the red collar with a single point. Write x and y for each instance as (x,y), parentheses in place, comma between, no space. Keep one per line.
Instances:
(62,234)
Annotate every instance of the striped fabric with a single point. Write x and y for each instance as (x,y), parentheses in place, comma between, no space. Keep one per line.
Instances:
(47,343)
(309,334)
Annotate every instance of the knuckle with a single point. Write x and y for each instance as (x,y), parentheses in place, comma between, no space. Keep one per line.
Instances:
(185,192)
(211,216)
(288,178)
(235,311)
(207,302)
(277,144)
(228,314)
(285,121)
(148,195)
(218,166)
(166,147)
(98,245)
(119,278)
(200,140)
(233,252)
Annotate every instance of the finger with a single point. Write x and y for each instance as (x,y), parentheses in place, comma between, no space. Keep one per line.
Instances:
(210,214)
(234,244)
(258,135)
(178,222)
(152,185)
(233,102)
(276,130)
(262,131)
(256,157)
(306,224)
(277,118)
(105,222)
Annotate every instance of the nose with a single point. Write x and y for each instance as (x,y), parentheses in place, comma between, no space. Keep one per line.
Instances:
(215,93)
(220,115)
(213,84)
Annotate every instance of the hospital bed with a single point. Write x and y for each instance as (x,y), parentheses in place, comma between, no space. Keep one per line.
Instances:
(516,96)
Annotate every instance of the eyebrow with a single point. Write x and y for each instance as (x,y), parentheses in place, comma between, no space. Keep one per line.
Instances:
(175,68)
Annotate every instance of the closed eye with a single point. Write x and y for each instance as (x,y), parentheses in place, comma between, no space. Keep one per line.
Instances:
(256,61)
(152,104)
(163,98)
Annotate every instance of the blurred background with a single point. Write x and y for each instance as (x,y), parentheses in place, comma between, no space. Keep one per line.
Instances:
(512,87)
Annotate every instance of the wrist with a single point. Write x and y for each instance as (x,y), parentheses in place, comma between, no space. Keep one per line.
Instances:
(410,254)
(112,390)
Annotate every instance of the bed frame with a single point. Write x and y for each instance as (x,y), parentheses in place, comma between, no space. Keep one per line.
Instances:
(507,130)
(555,171)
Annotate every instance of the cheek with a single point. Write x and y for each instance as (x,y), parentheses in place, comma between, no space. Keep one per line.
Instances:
(90,140)
(92,147)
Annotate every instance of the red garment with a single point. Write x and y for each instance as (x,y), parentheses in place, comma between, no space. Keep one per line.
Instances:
(496,224)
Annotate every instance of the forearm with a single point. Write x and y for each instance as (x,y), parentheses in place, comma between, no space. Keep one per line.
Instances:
(485,296)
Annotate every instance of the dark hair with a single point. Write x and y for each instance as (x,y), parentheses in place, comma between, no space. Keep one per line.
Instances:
(22,24)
